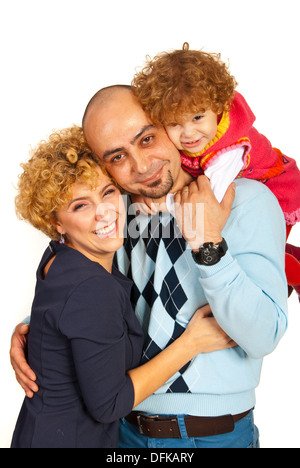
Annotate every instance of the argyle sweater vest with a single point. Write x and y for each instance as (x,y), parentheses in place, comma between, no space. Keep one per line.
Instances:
(152,252)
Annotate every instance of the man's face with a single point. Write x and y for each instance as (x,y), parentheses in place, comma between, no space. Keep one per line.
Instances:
(139,156)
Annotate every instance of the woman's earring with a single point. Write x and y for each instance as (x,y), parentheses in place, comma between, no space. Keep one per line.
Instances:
(62,239)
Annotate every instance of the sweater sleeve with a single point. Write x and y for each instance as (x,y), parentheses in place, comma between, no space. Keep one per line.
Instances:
(93,321)
(247,289)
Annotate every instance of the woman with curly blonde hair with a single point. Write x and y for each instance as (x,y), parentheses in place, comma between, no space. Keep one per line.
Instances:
(85,342)
(192,94)
(47,179)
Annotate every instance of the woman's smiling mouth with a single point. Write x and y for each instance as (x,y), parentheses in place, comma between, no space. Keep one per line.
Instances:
(107,231)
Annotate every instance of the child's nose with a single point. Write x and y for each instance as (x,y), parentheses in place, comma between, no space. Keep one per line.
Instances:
(188,130)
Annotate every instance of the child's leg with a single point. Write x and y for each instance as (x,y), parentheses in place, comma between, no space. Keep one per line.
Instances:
(292,265)
(288,231)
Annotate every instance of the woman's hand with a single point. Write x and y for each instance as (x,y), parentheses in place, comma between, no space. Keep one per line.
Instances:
(200,217)
(204,334)
(24,374)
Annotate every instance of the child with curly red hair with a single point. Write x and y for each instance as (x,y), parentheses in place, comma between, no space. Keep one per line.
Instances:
(192,94)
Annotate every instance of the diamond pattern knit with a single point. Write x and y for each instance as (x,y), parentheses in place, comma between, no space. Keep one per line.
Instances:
(151,251)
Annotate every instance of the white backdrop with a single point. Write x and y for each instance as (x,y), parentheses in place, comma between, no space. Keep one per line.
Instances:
(56,54)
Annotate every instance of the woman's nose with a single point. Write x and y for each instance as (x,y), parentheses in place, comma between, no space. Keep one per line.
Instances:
(102,211)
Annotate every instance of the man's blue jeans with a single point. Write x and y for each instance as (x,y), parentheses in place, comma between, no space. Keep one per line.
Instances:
(245,435)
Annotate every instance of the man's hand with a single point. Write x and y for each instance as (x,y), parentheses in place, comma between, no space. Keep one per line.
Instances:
(24,375)
(200,217)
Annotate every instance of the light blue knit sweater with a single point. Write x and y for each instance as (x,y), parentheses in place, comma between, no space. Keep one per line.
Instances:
(247,292)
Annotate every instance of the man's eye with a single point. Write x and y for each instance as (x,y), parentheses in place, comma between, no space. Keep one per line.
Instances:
(147,140)
(198,117)
(117,158)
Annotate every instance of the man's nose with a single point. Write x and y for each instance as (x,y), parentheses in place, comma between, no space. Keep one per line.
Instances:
(141,162)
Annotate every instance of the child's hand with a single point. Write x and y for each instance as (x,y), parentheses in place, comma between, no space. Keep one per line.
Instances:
(149,206)
(144,205)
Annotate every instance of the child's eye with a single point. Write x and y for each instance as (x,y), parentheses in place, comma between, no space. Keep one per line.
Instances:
(198,117)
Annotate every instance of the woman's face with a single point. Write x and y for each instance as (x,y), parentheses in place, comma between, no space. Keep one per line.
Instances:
(93,222)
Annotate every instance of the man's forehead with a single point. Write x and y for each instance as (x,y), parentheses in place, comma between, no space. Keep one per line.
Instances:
(123,113)
(117,126)
(116,123)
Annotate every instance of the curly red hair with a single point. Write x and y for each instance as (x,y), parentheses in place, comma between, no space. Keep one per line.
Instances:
(47,179)
(182,82)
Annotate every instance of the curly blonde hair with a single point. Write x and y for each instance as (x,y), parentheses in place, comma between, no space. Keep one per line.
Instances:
(46,182)
(182,82)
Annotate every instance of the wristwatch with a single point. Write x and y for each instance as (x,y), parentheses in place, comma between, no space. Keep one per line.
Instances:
(209,253)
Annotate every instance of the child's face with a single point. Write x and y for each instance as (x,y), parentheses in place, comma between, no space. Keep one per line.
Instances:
(194,131)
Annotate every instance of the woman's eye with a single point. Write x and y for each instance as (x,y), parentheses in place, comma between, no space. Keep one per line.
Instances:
(109,192)
(80,207)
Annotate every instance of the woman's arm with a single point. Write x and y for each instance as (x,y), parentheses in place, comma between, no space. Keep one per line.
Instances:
(203,335)
(93,321)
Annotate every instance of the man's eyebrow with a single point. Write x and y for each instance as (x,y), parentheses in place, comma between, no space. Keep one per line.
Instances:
(140,133)
(135,138)
(110,152)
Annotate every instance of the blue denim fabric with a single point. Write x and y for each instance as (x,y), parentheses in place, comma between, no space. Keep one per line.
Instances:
(245,435)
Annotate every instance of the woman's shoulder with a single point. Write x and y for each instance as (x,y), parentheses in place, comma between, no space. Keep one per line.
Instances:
(65,260)
(70,263)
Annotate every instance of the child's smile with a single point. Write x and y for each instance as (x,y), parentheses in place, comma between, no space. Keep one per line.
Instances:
(194,131)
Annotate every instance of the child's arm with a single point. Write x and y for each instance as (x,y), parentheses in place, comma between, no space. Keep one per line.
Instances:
(221,173)
(224,170)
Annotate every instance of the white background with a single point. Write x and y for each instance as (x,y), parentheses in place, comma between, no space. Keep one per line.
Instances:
(56,54)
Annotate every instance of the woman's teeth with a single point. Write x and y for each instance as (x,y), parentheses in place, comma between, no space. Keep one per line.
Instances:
(106,230)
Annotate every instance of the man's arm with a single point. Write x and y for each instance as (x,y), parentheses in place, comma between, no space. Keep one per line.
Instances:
(247,289)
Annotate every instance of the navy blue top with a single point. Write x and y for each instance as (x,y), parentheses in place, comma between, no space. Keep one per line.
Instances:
(84,337)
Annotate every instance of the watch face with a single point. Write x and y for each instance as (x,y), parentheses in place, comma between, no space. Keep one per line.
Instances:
(210,256)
